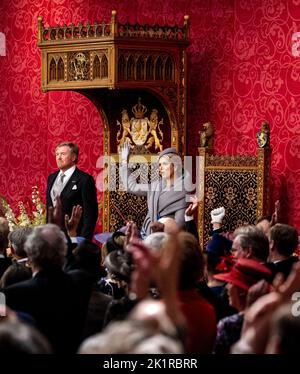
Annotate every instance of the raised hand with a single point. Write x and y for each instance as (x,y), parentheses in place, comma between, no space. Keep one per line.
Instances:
(276,214)
(131,232)
(125,152)
(192,207)
(258,316)
(71,223)
(145,262)
(217,215)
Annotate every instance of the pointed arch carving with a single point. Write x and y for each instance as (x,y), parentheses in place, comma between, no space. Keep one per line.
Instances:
(96,67)
(60,70)
(52,70)
(130,68)
(149,69)
(159,69)
(140,68)
(169,69)
(121,67)
(104,67)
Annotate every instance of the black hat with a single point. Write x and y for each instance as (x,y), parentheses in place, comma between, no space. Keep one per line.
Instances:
(115,242)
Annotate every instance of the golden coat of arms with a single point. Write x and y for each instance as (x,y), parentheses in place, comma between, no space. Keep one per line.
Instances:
(140,130)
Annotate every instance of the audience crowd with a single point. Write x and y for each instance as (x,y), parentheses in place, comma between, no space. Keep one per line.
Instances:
(163,294)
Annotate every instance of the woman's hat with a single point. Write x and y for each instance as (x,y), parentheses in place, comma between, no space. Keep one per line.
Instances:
(167,151)
(245,273)
(116,242)
(114,239)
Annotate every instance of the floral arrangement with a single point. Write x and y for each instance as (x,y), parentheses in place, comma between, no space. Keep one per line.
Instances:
(31,212)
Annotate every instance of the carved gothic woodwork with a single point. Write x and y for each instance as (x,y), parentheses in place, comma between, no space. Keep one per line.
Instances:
(114,65)
(239,183)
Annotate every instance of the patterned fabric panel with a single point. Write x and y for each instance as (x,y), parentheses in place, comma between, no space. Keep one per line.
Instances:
(131,207)
(236,191)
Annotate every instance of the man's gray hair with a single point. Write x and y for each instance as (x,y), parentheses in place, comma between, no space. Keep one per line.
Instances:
(46,246)
(130,336)
(252,237)
(156,241)
(18,238)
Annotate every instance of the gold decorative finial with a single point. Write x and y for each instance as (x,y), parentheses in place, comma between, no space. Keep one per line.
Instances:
(186,25)
(114,25)
(40,28)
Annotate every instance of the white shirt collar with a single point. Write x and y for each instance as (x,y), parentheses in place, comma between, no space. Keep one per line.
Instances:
(68,172)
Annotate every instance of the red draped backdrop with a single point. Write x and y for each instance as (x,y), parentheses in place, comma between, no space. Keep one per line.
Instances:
(244,67)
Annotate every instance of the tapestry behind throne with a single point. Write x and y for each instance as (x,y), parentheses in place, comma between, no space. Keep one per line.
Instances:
(238,183)
(236,191)
(125,206)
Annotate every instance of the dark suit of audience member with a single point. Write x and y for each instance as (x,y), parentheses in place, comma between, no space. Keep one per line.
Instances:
(191,227)
(15,273)
(50,296)
(284,266)
(75,187)
(20,269)
(283,243)
(5,262)
(83,266)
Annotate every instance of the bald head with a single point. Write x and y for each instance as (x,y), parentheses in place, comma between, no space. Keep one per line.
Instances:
(170,224)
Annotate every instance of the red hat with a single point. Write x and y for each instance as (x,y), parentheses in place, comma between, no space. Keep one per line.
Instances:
(245,273)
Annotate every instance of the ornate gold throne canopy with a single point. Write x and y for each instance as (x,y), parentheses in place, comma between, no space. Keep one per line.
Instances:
(118,66)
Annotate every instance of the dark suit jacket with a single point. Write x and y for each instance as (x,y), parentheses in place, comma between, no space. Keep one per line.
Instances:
(191,227)
(5,262)
(51,298)
(284,266)
(80,190)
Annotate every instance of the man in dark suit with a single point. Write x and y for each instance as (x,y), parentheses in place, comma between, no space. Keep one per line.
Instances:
(51,295)
(283,245)
(74,187)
